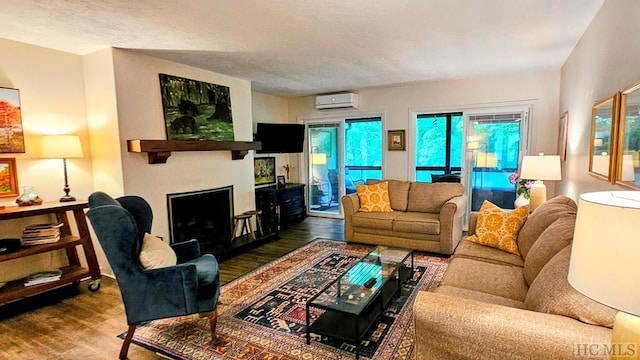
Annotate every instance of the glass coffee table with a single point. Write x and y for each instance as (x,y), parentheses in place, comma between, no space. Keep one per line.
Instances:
(351,304)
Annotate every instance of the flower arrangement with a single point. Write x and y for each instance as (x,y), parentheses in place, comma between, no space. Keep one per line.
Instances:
(523,186)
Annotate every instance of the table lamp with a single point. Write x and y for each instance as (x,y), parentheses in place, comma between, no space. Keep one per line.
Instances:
(318,159)
(604,259)
(540,167)
(62,147)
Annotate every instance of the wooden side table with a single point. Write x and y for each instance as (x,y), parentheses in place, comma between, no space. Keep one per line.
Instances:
(15,290)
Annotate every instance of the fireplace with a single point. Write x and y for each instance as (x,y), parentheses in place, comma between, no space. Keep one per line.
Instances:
(205,215)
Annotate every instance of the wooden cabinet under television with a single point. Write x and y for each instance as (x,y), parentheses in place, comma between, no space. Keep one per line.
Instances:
(280,205)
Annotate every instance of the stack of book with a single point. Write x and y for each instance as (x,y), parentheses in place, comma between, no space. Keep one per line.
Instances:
(42,277)
(37,234)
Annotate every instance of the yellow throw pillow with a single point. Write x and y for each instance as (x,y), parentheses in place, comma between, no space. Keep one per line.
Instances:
(499,229)
(156,253)
(374,197)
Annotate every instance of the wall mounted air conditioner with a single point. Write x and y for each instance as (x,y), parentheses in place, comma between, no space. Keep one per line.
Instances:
(337,101)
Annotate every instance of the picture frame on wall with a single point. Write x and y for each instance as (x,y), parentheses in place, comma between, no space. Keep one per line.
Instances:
(8,178)
(264,170)
(562,136)
(11,133)
(396,140)
(196,110)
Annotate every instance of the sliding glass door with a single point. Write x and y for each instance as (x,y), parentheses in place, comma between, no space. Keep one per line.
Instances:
(341,154)
(495,145)
(324,158)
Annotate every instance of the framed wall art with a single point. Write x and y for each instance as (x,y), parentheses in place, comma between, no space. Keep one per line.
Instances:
(8,177)
(628,159)
(264,170)
(11,134)
(196,110)
(603,140)
(562,136)
(396,140)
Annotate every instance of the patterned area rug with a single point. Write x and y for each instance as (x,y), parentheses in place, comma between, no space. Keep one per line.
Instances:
(262,314)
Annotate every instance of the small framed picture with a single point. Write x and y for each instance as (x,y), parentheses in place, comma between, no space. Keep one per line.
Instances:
(264,170)
(8,177)
(281,180)
(396,140)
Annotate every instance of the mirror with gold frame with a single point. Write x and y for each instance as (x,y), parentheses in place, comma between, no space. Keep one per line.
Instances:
(603,144)
(628,163)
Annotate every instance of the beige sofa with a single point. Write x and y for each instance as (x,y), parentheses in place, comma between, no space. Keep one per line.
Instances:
(495,305)
(425,217)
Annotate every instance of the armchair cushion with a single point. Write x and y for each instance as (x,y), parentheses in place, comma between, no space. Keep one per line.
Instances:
(156,253)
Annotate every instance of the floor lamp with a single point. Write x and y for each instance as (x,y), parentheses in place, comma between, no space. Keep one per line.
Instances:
(62,147)
(539,168)
(604,261)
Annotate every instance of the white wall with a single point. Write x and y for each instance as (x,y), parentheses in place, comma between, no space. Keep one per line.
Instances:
(102,119)
(604,61)
(140,116)
(395,104)
(52,97)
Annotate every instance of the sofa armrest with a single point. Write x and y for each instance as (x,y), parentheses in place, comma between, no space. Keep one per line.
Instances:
(451,214)
(473,222)
(448,327)
(350,206)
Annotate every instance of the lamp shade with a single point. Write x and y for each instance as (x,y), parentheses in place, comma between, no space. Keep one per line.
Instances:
(318,159)
(486,160)
(604,256)
(61,147)
(541,167)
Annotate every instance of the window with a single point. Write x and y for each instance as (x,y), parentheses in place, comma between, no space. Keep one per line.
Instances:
(438,145)
(363,148)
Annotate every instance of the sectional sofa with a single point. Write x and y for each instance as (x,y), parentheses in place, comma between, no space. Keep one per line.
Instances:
(492,304)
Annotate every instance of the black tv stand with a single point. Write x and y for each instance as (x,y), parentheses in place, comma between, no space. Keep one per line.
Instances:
(281,206)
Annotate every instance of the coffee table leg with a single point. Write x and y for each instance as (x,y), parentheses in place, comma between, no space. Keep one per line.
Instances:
(357,338)
(308,331)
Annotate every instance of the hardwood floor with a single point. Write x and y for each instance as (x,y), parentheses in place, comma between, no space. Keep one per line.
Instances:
(74,323)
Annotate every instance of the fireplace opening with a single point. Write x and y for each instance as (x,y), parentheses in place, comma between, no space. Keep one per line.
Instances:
(205,215)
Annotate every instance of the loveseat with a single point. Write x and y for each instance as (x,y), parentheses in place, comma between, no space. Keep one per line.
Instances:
(492,304)
(424,216)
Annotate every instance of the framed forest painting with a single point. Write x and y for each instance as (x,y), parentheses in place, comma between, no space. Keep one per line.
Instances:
(196,110)
(11,134)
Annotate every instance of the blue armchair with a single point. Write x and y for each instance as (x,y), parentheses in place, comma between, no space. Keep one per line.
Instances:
(190,287)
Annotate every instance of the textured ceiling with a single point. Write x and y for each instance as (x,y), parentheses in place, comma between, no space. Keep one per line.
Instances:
(301,47)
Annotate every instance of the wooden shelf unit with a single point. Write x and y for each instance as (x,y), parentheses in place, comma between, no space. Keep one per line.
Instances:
(158,151)
(15,290)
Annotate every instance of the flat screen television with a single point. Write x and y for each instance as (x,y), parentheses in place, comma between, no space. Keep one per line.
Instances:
(280,138)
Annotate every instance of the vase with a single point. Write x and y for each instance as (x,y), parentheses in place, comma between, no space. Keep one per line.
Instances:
(28,197)
(521,201)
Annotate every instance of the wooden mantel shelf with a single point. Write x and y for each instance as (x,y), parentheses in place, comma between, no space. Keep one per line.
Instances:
(158,151)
